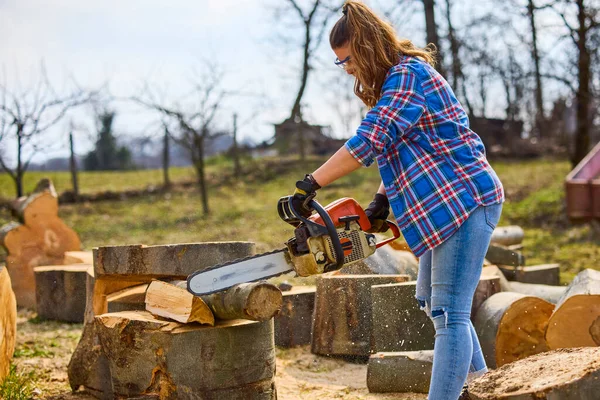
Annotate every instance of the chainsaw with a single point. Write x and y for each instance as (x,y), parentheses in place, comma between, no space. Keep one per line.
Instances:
(333,237)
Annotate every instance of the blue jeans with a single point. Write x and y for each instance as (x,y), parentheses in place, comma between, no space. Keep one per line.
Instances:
(447,279)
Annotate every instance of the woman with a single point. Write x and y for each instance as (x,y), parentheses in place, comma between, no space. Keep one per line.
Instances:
(444,195)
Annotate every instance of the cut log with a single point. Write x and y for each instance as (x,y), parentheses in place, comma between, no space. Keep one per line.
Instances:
(400,372)
(575,321)
(79,257)
(342,319)
(98,291)
(387,261)
(294,323)
(501,255)
(61,292)
(128,299)
(41,239)
(486,288)
(511,326)
(398,323)
(175,303)
(175,261)
(508,235)
(256,301)
(549,293)
(8,323)
(152,357)
(565,374)
(545,274)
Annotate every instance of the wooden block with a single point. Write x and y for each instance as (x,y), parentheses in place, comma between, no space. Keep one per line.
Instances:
(576,319)
(400,372)
(565,374)
(508,235)
(342,318)
(61,292)
(152,357)
(177,304)
(174,261)
(294,323)
(128,299)
(8,322)
(545,274)
(501,255)
(79,257)
(511,326)
(398,323)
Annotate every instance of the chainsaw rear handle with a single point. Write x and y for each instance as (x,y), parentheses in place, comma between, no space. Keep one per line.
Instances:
(395,231)
(289,214)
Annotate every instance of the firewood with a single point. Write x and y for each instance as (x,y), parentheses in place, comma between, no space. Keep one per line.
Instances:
(576,319)
(41,239)
(511,326)
(549,293)
(61,292)
(508,235)
(174,261)
(400,372)
(175,303)
(79,257)
(343,304)
(565,374)
(501,255)
(398,323)
(152,357)
(294,323)
(128,299)
(8,322)
(544,274)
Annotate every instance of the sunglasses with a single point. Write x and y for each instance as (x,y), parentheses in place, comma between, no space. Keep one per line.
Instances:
(342,63)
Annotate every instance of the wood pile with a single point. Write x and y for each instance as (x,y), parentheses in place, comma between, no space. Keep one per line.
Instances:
(146,336)
(39,237)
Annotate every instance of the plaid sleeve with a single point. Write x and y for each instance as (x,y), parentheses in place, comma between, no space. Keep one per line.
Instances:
(400,107)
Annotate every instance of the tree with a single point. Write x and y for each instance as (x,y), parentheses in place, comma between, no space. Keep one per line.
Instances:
(107,155)
(26,115)
(432,33)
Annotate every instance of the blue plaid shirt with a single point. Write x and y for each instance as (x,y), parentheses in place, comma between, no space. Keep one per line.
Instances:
(433,166)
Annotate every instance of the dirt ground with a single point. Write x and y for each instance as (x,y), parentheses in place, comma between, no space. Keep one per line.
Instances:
(46,347)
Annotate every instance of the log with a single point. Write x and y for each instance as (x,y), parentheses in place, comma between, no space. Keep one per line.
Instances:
(501,255)
(342,319)
(294,323)
(177,304)
(549,293)
(565,374)
(78,257)
(486,288)
(511,326)
(174,261)
(41,239)
(545,274)
(576,319)
(400,372)
(152,357)
(8,322)
(128,299)
(398,323)
(61,292)
(508,235)
(387,261)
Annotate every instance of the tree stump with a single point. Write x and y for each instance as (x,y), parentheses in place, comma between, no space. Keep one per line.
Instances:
(128,299)
(576,319)
(8,323)
(511,326)
(60,292)
(41,239)
(564,374)
(398,323)
(152,357)
(400,372)
(294,323)
(342,319)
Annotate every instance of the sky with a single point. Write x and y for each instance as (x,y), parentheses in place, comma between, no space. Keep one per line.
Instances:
(127,44)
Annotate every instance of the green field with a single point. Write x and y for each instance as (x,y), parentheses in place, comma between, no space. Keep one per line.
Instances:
(243,208)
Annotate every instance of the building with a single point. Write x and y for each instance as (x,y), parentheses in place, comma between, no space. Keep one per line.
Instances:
(316,139)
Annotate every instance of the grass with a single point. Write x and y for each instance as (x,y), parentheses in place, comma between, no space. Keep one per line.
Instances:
(243,209)
(17,386)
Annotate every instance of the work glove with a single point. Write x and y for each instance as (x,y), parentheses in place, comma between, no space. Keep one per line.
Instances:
(306,190)
(377,212)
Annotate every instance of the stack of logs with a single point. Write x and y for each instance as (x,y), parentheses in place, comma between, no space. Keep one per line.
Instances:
(146,336)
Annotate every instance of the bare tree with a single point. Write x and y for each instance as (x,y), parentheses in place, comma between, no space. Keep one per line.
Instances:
(25,115)
(196,121)
(432,33)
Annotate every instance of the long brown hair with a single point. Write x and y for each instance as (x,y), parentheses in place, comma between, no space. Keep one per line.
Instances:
(375,48)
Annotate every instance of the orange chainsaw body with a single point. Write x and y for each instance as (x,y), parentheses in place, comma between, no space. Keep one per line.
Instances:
(344,207)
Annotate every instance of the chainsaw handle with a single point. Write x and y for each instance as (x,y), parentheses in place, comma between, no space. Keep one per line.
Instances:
(396,232)
(331,231)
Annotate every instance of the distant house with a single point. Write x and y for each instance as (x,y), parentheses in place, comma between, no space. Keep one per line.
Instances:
(496,132)
(316,139)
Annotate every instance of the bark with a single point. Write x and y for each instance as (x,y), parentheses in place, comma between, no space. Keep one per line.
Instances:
(545,274)
(293,324)
(501,255)
(539,98)
(583,95)
(61,292)
(177,304)
(432,34)
(508,235)
(400,372)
